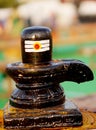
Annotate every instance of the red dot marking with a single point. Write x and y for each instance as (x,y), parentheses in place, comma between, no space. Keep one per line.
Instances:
(37,46)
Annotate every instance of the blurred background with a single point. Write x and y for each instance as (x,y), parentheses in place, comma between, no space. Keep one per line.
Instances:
(73,24)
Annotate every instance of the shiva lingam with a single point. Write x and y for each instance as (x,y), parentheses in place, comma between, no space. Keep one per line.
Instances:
(39,100)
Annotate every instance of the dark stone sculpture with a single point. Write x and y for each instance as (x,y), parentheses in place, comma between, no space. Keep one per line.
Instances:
(39,100)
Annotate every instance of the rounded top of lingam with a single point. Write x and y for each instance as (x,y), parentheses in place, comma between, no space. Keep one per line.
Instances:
(36,45)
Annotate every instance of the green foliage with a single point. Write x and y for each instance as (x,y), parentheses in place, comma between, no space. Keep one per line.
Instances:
(8,3)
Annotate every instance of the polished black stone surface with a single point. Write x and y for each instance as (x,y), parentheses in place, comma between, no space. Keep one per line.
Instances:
(39,100)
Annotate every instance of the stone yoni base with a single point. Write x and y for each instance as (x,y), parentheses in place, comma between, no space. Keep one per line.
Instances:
(63,115)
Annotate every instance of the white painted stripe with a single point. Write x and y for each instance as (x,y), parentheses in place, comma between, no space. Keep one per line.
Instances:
(28,46)
(32,46)
(29,42)
(44,41)
(40,50)
(32,42)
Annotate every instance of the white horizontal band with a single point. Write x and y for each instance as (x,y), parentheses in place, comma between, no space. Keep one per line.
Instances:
(36,46)
(32,42)
(32,46)
(40,50)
